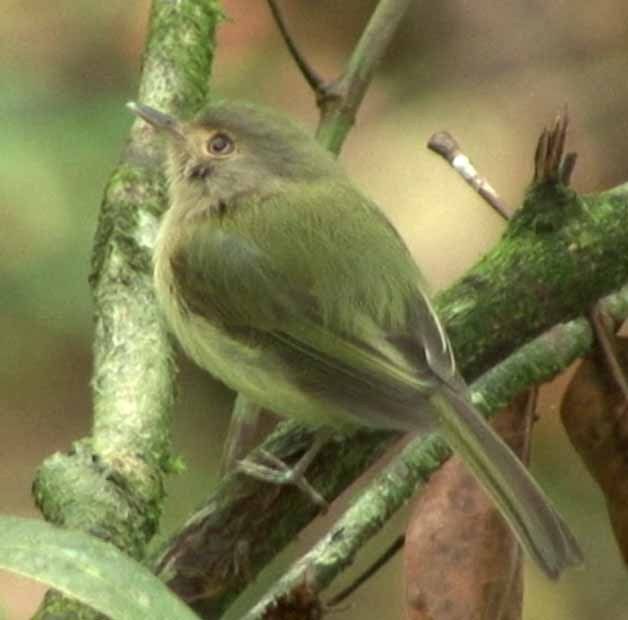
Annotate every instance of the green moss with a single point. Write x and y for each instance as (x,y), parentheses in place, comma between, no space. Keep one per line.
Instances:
(118,502)
(556,258)
(131,190)
(546,209)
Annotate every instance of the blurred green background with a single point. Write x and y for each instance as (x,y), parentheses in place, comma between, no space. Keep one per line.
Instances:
(491,73)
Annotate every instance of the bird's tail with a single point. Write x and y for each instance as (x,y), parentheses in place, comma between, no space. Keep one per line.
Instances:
(538,527)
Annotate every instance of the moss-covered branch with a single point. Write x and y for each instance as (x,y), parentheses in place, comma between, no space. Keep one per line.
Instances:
(560,253)
(111,483)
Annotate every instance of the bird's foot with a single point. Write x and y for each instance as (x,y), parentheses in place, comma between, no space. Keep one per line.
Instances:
(277,472)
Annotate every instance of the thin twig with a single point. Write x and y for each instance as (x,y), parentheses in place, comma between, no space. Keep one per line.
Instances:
(445,145)
(567,166)
(315,81)
(381,561)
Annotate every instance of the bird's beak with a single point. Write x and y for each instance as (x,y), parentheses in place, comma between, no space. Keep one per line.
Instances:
(159,120)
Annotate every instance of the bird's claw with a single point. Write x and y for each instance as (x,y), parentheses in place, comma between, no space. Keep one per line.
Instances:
(280,473)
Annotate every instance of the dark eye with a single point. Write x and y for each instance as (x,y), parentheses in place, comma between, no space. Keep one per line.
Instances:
(220,144)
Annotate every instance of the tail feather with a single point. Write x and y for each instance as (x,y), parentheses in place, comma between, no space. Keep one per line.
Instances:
(538,527)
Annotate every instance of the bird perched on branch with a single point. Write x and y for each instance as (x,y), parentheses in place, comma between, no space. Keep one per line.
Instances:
(283,280)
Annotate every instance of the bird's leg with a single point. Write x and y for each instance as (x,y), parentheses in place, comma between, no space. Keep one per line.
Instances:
(280,473)
(242,429)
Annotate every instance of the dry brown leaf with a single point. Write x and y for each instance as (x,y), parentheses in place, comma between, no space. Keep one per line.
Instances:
(594,415)
(460,559)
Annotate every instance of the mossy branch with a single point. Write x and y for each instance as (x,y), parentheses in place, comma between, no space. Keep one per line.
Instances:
(111,484)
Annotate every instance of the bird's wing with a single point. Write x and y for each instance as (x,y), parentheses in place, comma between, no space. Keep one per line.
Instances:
(333,292)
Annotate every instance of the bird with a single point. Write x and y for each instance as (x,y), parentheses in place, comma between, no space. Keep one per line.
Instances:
(281,278)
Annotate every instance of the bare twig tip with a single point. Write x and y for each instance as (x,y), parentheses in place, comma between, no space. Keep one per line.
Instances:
(444,144)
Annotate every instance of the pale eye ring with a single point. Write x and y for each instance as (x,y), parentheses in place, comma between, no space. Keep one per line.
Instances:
(220,144)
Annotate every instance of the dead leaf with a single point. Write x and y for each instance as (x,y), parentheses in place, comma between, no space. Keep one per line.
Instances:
(461,561)
(594,415)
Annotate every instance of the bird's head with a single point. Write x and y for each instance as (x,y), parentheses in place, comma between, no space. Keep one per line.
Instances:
(233,149)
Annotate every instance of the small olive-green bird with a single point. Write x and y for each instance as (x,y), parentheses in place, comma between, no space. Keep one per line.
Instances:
(282,279)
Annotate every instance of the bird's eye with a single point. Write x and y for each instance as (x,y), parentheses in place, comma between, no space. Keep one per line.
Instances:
(220,144)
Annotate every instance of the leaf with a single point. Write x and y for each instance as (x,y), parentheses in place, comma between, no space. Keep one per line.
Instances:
(460,558)
(87,569)
(594,414)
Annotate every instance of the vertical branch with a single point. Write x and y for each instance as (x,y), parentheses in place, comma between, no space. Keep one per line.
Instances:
(133,375)
(111,484)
